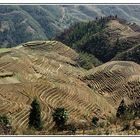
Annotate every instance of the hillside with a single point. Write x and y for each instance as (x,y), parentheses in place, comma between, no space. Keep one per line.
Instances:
(115,81)
(47,70)
(106,38)
(131,54)
(22,23)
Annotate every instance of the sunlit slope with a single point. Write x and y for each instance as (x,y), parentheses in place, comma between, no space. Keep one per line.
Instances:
(46,70)
(115,81)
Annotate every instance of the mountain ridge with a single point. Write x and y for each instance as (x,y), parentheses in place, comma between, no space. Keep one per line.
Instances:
(46,21)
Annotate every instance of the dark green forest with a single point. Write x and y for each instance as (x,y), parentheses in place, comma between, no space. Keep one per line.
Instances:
(96,39)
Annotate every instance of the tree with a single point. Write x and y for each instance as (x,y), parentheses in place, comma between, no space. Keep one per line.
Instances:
(95,121)
(60,117)
(121,110)
(35,115)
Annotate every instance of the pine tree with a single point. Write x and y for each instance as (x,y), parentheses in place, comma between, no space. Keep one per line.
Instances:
(121,110)
(95,121)
(35,115)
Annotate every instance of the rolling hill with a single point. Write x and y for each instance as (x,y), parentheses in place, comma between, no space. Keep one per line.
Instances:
(47,70)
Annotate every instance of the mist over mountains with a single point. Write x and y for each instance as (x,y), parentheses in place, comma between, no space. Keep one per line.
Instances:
(21,23)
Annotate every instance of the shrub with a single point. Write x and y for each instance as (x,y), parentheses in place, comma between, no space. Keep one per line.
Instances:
(102,124)
(60,117)
(4,120)
(5,126)
(71,128)
(126,126)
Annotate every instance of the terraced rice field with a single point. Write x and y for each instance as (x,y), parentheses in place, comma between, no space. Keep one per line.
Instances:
(47,70)
(115,81)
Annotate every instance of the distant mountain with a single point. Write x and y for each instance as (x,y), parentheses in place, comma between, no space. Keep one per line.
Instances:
(21,23)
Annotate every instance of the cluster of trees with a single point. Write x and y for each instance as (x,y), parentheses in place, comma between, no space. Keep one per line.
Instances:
(90,37)
(104,20)
(77,31)
(94,38)
(87,61)
(132,55)
(35,115)
(60,117)
(125,112)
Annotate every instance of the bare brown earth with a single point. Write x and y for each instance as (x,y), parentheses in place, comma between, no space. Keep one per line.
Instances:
(115,81)
(47,70)
(123,30)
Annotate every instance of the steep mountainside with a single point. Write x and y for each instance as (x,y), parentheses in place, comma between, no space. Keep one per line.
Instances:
(106,38)
(21,23)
